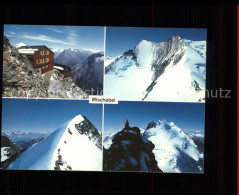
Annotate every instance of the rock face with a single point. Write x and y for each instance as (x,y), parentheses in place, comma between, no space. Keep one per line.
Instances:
(61,88)
(129,151)
(9,151)
(20,79)
(87,128)
(89,75)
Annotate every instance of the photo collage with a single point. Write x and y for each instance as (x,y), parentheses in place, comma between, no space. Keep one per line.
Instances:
(157,75)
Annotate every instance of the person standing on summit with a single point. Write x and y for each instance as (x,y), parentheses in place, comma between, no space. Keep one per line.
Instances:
(126,124)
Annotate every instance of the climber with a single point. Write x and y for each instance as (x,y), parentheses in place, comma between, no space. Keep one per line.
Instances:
(126,124)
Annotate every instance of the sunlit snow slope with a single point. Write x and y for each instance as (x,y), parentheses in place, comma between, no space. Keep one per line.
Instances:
(70,147)
(173,70)
(174,150)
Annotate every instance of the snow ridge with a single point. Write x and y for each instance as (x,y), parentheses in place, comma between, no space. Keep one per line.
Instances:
(64,149)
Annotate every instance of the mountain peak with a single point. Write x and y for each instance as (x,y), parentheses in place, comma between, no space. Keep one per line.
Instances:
(77,118)
(176,37)
(74,145)
(144,43)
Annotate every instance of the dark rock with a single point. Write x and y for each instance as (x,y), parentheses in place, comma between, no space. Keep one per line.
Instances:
(130,152)
(87,128)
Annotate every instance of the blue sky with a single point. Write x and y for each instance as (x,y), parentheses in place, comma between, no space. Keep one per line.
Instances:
(46,115)
(187,116)
(120,39)
(57,37)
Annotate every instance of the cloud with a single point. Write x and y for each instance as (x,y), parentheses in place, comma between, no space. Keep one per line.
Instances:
(47,39)
(55,30)
(72,37)
(10,34)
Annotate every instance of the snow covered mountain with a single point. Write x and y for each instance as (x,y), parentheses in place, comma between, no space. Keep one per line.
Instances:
(57,52)
(89,74)
(76,145)
(72,57)
(175,150)
(25,139)
(174,70)
(199,46)
(130,151)
(19,45)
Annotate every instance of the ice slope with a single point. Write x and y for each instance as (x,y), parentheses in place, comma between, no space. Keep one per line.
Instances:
(64,149)
(139,74)
(177,82)
(199,46)
(174,150)
(130,78)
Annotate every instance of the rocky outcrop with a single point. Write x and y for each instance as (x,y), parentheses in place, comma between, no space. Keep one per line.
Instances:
(19,77)
(129,151)
(59,87)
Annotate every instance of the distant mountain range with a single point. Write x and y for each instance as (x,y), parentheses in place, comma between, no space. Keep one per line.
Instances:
(72,57)
(25,139)
(87,68)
